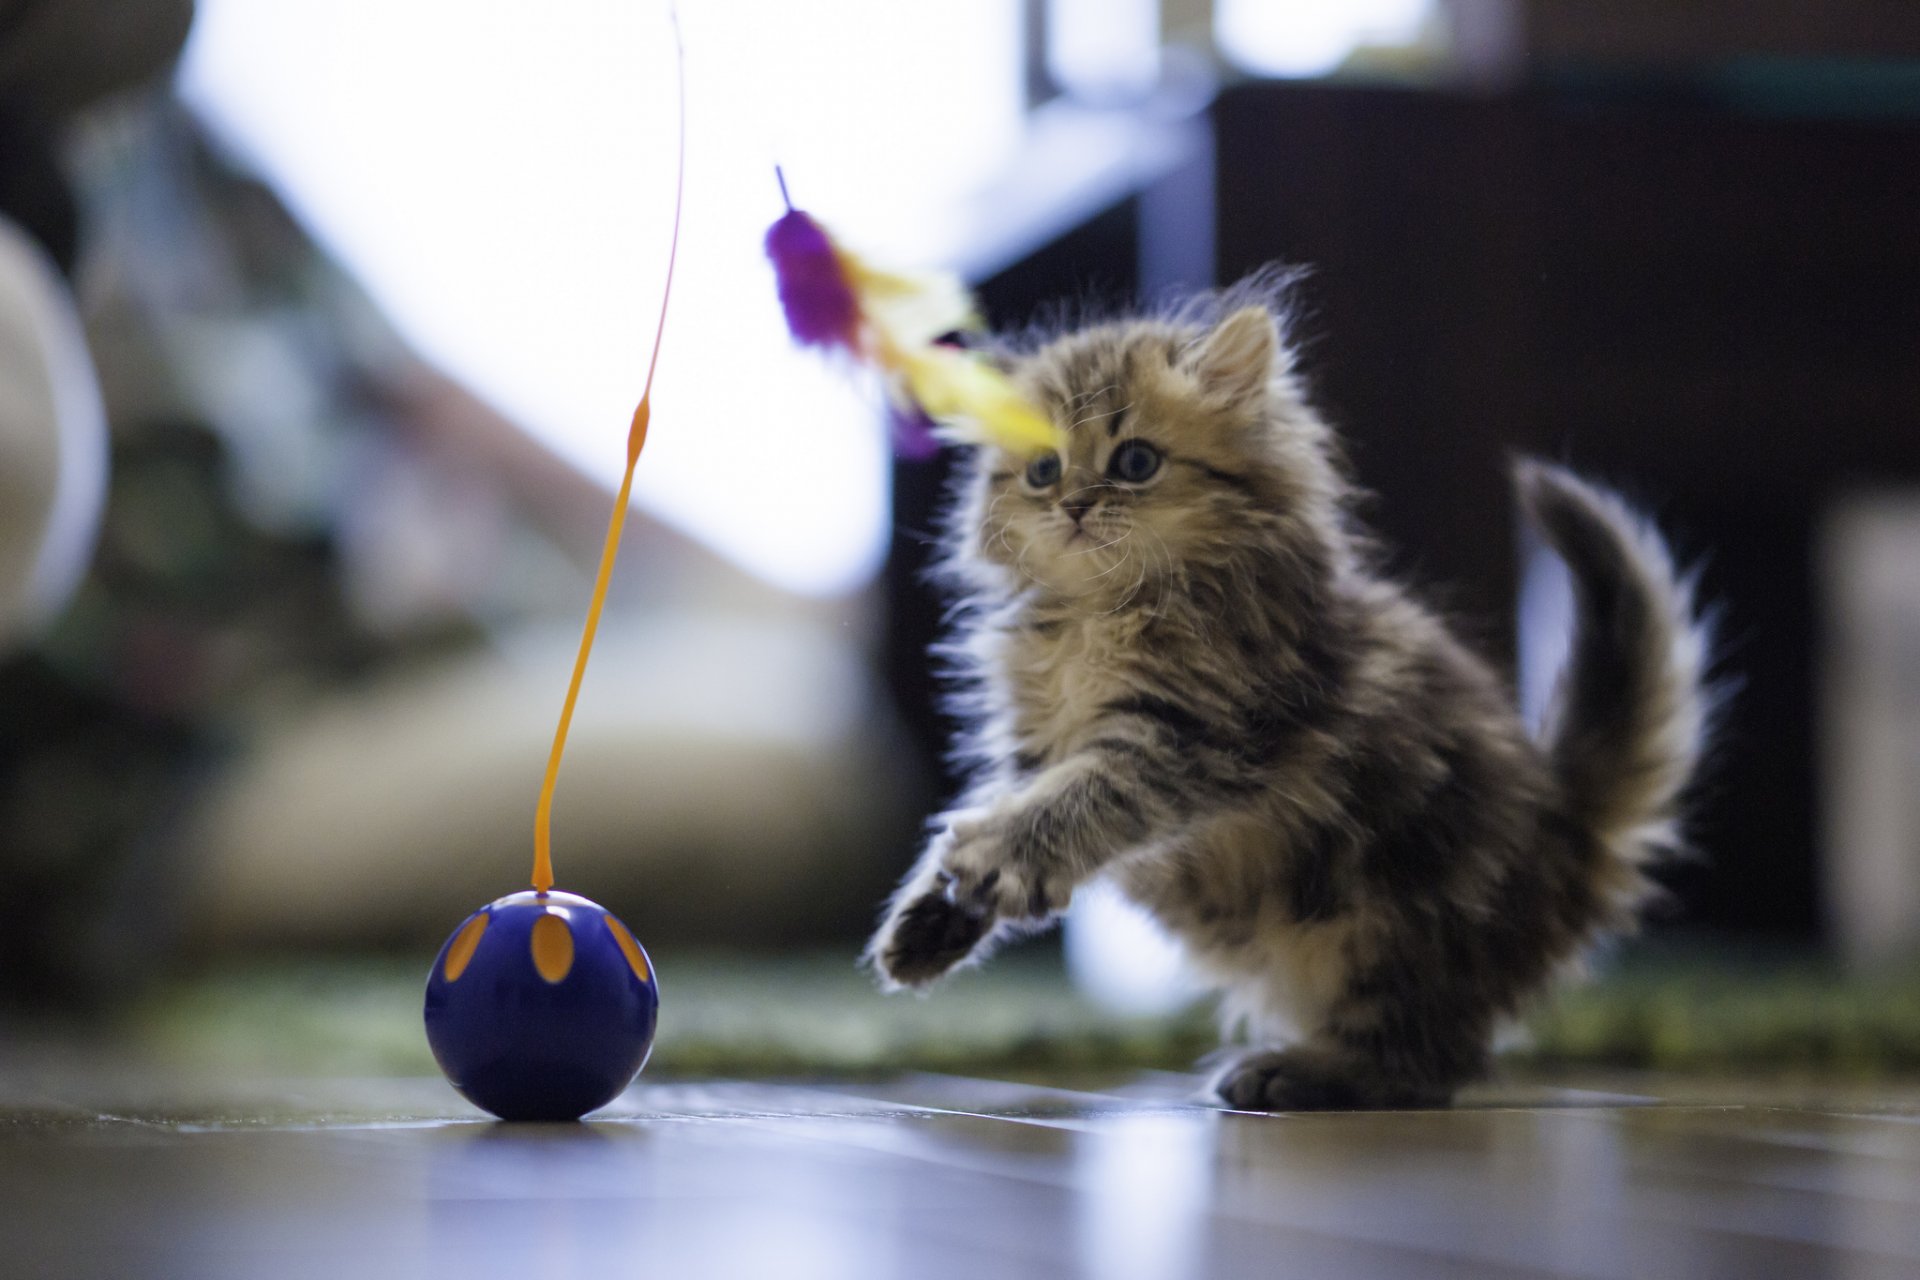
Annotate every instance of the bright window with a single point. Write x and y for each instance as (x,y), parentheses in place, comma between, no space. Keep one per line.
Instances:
(499,177)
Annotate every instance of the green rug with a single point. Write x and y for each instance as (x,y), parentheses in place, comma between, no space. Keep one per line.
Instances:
(741,1016)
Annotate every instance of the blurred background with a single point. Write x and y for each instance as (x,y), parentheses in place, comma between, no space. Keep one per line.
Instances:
(320,323)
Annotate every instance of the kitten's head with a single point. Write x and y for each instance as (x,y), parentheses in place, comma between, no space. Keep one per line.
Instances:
(1188,444)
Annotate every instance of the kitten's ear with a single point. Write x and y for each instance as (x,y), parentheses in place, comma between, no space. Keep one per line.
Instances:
(1240,357)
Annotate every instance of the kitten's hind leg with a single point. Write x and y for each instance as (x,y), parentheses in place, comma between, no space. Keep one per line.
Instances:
(1309,1078)
(1398,1030)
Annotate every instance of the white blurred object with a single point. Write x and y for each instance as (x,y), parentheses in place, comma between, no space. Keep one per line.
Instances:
(1104,50)
(1312,39)
(53,450)
(1121,959)
(1545,622)
(1870,726)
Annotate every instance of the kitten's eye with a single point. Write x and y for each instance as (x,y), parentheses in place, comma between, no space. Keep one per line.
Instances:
(1134,461)
(1044,470)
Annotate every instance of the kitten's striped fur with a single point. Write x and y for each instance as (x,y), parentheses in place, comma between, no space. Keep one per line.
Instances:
(1212,696)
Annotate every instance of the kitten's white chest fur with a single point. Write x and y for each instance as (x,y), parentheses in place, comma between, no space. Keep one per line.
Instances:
(1059,682)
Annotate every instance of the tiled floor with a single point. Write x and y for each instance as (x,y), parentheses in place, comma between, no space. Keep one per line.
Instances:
(121,1176)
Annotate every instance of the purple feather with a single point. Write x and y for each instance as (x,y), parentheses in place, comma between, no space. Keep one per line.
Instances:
(814,292)
(913,437)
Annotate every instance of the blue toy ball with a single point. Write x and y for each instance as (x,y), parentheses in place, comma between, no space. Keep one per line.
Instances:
(541,1006)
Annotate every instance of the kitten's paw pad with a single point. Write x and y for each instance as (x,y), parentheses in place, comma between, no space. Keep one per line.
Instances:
(926,938)
(1295,1080)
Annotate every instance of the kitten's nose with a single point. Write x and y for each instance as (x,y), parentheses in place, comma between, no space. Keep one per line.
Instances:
(1076,509)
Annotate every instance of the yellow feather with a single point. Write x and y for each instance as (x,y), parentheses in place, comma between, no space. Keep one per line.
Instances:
(976,401)
(968,397)
(914,309)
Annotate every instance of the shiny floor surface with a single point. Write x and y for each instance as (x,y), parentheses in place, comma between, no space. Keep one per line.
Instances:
(937,1176)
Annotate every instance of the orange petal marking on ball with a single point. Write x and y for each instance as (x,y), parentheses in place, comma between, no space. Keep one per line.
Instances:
(460,954)
(628,947)
(552,946)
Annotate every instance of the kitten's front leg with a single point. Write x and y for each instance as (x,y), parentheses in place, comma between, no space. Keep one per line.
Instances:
(926,931)
(993,862)
(970,879)
(1023,858)
(1019,859)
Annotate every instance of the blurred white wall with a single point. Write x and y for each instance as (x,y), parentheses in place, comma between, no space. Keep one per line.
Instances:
(499,176)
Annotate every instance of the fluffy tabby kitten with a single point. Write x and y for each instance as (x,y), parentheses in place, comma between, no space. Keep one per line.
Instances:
(1185,673)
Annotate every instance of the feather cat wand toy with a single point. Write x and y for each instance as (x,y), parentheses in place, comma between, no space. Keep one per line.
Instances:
(542,1005)
(899,325)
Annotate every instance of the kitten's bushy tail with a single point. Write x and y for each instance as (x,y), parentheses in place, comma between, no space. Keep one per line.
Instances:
(1630,719)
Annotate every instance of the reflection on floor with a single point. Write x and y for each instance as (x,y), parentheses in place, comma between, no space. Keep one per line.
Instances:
(934,1176)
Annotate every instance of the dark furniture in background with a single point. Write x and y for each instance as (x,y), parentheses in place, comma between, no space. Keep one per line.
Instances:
(1709,295)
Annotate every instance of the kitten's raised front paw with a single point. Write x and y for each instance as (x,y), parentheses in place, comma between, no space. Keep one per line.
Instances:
(1303,1080)
(985,871)
(927,937)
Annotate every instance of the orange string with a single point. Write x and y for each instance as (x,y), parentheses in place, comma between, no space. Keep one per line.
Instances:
(636,441)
